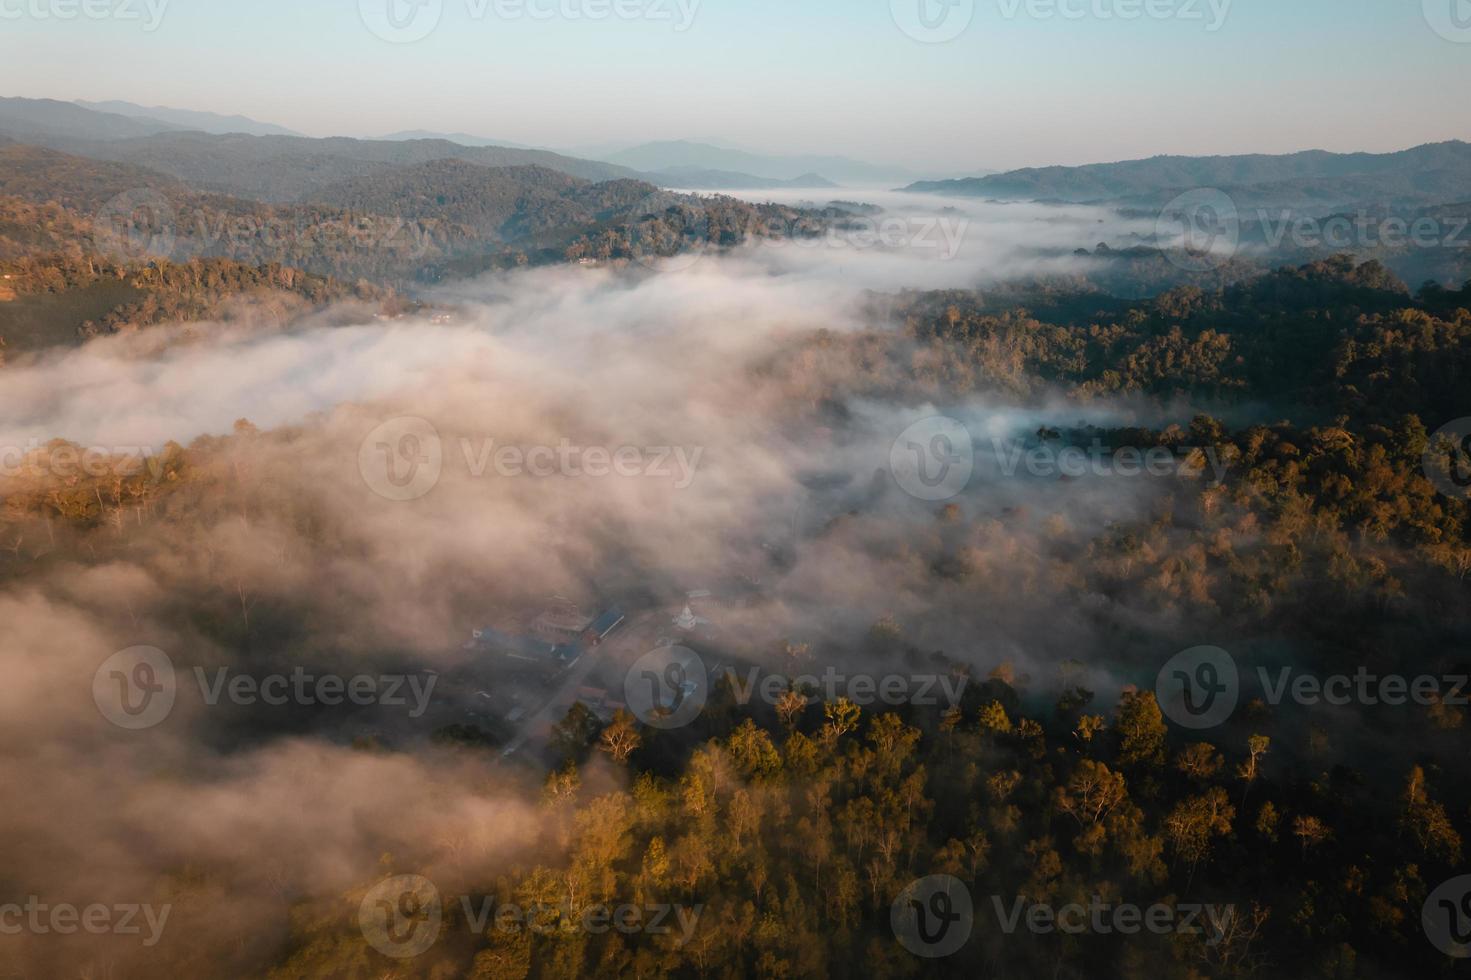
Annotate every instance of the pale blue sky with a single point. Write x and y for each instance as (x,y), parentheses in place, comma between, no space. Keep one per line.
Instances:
(787,75)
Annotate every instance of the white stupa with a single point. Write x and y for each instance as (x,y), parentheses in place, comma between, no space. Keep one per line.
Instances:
(687,620)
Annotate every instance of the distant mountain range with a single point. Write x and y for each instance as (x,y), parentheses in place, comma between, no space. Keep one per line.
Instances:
(77,127)
(696,179)
(1430,174)
(245,158)
(690,157)
(263,168)
(204,122)
(35,120)
(464,139)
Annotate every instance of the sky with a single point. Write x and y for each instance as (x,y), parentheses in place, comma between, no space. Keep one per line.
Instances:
(936,85)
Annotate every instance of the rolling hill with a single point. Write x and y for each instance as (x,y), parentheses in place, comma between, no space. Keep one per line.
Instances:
(464,139)
(1429,174)
(275,168)
(39,120)
(204,122)
(503,203)
(286,168)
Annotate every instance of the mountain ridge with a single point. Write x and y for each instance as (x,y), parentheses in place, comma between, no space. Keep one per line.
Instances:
(192,119)
(1149,179)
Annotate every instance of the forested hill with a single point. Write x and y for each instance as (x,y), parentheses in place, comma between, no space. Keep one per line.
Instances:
(1431,174)
(507,202)
(39,175)
(263,167)
(92,245)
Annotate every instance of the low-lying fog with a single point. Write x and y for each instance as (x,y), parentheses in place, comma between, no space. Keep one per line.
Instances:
(289,548)
(147,389)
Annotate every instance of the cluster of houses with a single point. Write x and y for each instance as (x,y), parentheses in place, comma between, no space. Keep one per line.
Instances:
(554,639)
(688,625)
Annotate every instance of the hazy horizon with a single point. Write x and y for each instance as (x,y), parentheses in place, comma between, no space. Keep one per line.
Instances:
(1021,82)
(608,148)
